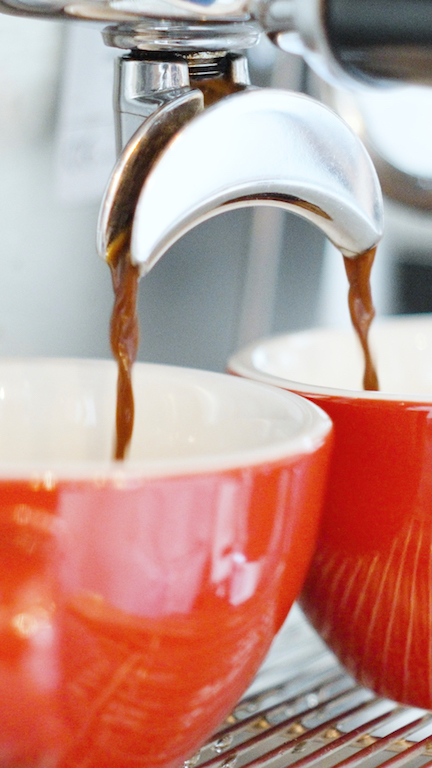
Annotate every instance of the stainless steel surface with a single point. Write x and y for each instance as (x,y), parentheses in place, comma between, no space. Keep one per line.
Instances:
(355,43)
(131,10)
(142,87)
(329,182)
(190,303)
(135,161)
(304,710)
(177,24)
(157,102)
(260,146)
(300,27)
(184,36)
(394,127)
(376,40)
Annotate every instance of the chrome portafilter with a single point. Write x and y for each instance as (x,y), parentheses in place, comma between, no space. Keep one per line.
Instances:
(203,140)
(194,138)
(261,146)
(371,40)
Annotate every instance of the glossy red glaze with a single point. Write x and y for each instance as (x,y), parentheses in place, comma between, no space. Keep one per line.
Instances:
(369,589)
(133,616)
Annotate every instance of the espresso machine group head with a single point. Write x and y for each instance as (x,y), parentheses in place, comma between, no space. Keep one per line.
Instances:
(194,138)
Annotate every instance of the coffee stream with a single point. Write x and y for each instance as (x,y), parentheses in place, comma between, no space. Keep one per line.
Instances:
(124,335)
(361,308)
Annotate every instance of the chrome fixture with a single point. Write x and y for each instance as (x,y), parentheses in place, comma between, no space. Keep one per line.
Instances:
(261,146)
(178,166)
(369,40)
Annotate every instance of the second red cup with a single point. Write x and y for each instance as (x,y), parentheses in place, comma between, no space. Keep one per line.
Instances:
(369,590)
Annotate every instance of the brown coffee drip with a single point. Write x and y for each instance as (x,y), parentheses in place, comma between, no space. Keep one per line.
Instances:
(361,308)
(214,89)
(124,335)
(124,329)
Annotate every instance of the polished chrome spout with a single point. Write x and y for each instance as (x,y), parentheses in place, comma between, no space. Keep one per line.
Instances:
(134,164)
(265,147)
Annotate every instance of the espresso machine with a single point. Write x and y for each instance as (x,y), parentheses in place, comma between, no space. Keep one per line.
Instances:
(195,139)
(184,68)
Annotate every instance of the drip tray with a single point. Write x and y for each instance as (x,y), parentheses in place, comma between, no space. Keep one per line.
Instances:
(304,710)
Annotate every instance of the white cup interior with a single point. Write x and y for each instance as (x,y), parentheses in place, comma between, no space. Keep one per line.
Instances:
(60,415)
(324,360)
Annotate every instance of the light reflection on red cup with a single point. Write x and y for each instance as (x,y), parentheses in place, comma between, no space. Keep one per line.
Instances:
(137,600)
(369,590)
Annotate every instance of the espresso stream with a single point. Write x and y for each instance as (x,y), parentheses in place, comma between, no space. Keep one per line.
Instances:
(124,336)
(124,331)
(361,308)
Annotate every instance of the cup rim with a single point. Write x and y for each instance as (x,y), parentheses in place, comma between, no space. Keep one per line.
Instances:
(316,427)
(246,363)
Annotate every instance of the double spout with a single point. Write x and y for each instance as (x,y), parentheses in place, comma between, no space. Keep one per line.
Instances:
(195,139)
(187,163)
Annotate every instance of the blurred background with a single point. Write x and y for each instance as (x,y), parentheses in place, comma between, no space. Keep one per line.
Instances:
(240,276)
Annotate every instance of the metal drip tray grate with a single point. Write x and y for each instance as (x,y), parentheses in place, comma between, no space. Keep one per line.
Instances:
(304,710)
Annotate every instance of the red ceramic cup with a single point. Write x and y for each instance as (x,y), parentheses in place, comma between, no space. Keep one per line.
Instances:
(369,590)
(138,599)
